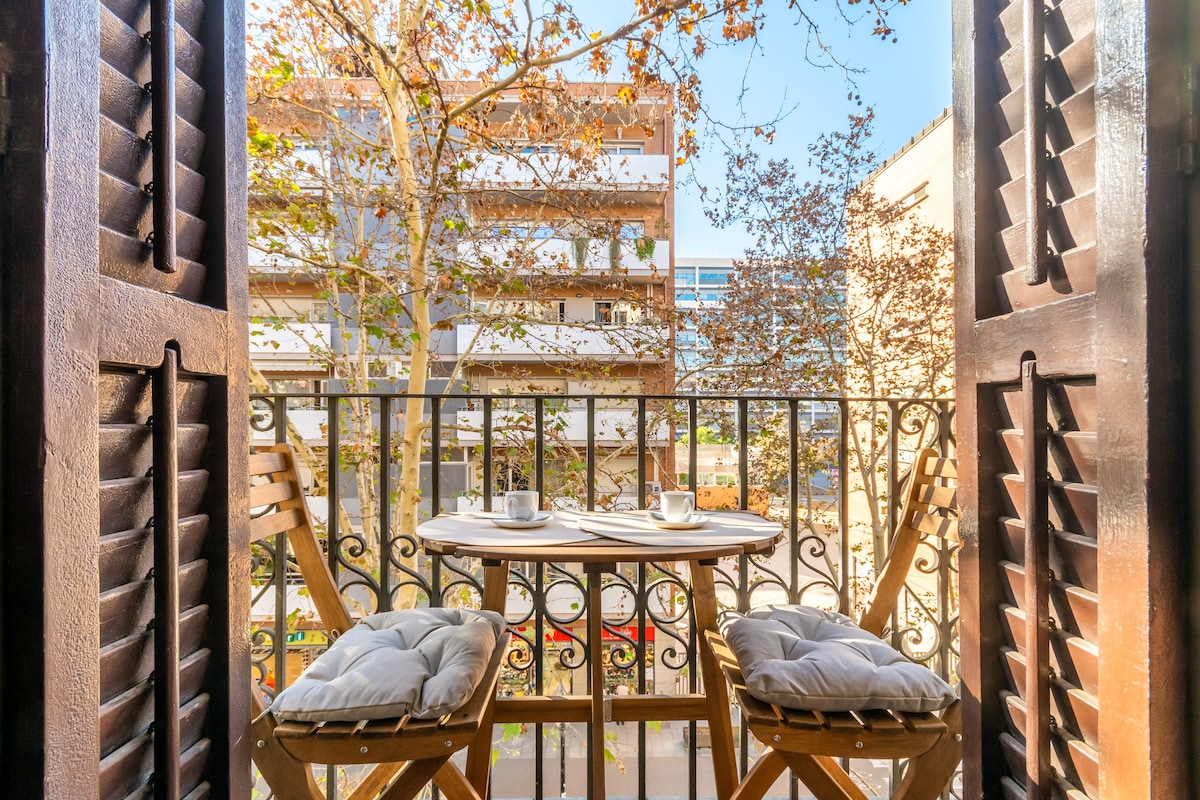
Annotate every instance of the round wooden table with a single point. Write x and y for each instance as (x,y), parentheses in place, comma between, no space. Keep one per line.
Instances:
(570,541)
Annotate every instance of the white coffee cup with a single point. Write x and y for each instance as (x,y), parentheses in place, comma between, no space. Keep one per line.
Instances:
(678,506)
(521,505)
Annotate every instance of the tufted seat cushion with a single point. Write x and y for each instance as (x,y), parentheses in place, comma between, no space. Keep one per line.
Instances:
(806,658)
(425,662)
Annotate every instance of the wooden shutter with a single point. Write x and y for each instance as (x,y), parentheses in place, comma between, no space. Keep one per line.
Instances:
(1070,376)
(125,200)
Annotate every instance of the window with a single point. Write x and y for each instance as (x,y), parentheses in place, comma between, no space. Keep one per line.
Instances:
(524,230)
(633,229)
(604,312)
(624,148)
(300,385)
(301,308)
(532,310)
(609,312)
(911,199)
(503,389)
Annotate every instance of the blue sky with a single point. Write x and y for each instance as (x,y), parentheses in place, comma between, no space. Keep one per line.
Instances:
(907,83)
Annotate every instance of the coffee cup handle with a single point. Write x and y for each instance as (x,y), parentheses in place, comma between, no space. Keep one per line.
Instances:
(510,507)
(691,506)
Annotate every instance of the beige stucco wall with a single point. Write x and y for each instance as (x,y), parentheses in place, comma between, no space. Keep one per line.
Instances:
(928,158)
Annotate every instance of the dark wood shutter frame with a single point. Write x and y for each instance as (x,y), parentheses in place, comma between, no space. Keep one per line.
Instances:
(122,405)
(1071,397)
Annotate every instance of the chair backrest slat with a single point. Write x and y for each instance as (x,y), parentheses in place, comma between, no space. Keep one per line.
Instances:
(929,509)
(275,522)
(267,462)
(291,514)
(268,494)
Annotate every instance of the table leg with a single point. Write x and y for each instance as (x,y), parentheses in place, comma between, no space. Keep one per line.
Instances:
(704,603)
(595,625)
(479,752)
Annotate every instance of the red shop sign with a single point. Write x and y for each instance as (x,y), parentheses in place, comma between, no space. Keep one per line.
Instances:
(618,634)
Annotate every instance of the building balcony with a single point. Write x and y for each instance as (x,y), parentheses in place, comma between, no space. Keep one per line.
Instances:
(642,178)
(290,347)
(303,170)
(591,258)
(555,342)
(610,426)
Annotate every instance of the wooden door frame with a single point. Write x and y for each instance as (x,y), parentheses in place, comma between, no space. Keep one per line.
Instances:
(1130,334)
(54,339)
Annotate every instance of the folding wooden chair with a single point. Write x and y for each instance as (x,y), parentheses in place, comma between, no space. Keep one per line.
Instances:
(408,752)
(810,742)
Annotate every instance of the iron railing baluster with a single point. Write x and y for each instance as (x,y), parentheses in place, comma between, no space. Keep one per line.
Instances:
(385,504)
(488,479)
(591,454)
(641,452)
(435,454)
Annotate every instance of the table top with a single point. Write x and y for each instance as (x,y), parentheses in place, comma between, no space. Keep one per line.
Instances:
(599,537)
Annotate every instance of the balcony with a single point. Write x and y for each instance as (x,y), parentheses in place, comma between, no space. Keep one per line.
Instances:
(648,637)
(643,178)
(566,257)
(290,347)
(610,426)
(302,170)
(549,342)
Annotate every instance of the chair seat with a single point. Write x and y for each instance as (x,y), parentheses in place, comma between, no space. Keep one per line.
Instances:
(806,658)
(422,663)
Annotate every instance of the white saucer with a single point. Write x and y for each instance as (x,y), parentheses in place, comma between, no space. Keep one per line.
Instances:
(658,521)
(539,519)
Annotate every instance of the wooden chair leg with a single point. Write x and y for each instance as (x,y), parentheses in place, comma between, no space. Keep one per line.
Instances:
(761,777)
(413,778)
(287,775)
(823,776)
(454,785)
(374,783)
(479,752)
(927,774)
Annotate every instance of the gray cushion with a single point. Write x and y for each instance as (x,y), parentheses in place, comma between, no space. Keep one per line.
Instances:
(423,661)
(806,658)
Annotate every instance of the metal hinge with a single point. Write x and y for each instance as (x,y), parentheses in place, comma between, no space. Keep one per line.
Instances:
(1191,125)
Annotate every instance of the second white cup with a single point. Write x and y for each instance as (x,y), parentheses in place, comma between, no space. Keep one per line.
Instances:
(521,505)
(678,506)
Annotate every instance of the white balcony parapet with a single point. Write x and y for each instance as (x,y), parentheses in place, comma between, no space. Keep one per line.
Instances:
(295,251)
(613,425)
(542,171)
(304,169)
(556,342)
(565,257)
(292,345)
(311,423)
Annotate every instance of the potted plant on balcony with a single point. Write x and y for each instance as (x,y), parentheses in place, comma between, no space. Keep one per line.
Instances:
(644,247)
(614,254)
(579,247)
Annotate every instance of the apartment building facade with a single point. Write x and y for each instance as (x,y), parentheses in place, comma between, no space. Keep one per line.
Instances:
(562,264)
(581,247)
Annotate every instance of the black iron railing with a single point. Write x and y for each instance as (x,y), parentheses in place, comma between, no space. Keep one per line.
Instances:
(829,469)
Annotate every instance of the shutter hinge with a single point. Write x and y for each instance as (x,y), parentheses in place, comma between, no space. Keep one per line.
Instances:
(1191,125)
